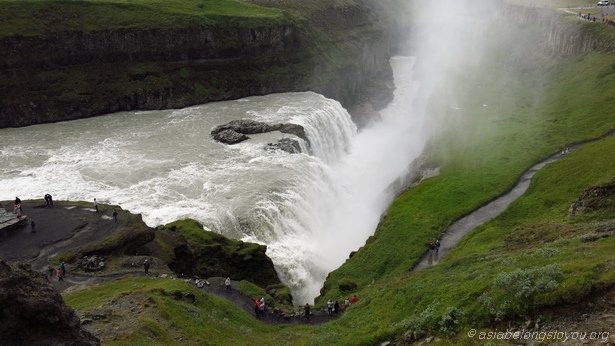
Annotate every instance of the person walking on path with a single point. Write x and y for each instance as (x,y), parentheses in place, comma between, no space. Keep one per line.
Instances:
(262,307)
(227,283)
(63,268)
(114,213)
(336,307)
(96,205)
(330,307)
(353,300)
(33,225)
(60,274)
(257,308)
(50,201)
(306,309)
(437,245)
(47,200)
(146,267)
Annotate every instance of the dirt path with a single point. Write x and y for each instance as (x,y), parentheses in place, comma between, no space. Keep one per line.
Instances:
(456,231)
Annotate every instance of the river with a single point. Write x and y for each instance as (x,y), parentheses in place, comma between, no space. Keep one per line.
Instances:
(311,210)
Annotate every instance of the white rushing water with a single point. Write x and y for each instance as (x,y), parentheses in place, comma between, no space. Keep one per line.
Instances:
(311,210)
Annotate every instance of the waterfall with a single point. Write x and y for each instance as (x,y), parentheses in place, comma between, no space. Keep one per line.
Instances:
(310,209)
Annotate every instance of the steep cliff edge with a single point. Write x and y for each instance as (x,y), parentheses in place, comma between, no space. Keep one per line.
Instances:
(567,34)
(340,51)
(33,313)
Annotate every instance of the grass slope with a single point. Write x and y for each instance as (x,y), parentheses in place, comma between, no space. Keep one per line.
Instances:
(33,17)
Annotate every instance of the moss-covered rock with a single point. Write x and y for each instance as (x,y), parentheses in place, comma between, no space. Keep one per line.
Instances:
(206,254)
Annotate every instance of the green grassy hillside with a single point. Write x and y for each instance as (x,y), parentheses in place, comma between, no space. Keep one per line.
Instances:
(32,17)
(517,106)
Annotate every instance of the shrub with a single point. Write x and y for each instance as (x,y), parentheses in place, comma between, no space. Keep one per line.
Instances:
(347,285)
(515,292)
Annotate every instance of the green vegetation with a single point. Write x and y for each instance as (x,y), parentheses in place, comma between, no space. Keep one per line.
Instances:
(516,107)
(164,308)
(39,17)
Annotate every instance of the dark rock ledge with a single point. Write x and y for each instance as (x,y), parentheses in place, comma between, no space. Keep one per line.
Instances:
(237,130)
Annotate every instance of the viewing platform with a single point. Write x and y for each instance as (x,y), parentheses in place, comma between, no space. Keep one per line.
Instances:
(9,220)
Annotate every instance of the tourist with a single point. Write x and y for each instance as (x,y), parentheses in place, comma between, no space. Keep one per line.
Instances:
(50,201)
(330,307)
(336,307)
(114,213)
(353,300)
(146,267)
(346,303)
(437,245)
(257,308)
(95,205)
(32,225)
(60,274)
(227,283)
(262,307)
(47,199)
(306,308)
(63,268)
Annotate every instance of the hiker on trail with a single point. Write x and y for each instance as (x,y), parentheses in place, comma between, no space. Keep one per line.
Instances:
(96,205)
(50,200)
(17,200)
(227,283)
(257,308)
(32,225)
(261,307)
(330,307)
(336,307)
(437,245)
(306,308)
(346,303)
(353,300)
(114,213)
(63,268)
(60,274)
(432,248)
(47,199)
(146,266)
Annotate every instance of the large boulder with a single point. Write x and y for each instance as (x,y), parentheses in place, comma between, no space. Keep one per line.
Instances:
(33,313)
(237,130)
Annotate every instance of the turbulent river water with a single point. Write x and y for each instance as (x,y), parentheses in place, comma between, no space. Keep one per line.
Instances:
(311,210)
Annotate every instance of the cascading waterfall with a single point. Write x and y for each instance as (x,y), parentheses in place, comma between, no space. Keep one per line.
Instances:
(311,210)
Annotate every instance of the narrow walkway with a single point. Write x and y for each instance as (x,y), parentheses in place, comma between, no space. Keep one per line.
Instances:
(215,286)
(488,212)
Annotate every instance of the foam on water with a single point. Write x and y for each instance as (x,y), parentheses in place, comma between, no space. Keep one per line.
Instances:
(311,210)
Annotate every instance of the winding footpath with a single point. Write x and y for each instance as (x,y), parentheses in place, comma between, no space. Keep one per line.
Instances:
(456,231)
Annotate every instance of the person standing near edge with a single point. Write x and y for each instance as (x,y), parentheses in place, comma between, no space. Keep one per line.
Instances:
(96,205)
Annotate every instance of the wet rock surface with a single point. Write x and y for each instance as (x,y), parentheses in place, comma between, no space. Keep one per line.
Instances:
(33,312)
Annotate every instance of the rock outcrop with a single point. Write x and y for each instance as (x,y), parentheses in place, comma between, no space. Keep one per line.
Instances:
(190,250)
(33,313)
(236,130)
(567,35)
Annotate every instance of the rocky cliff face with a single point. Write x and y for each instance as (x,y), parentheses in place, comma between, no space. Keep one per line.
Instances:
(567,35)
(33,313)
(71,75)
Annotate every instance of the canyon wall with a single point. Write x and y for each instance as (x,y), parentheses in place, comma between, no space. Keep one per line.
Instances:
(68,75)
